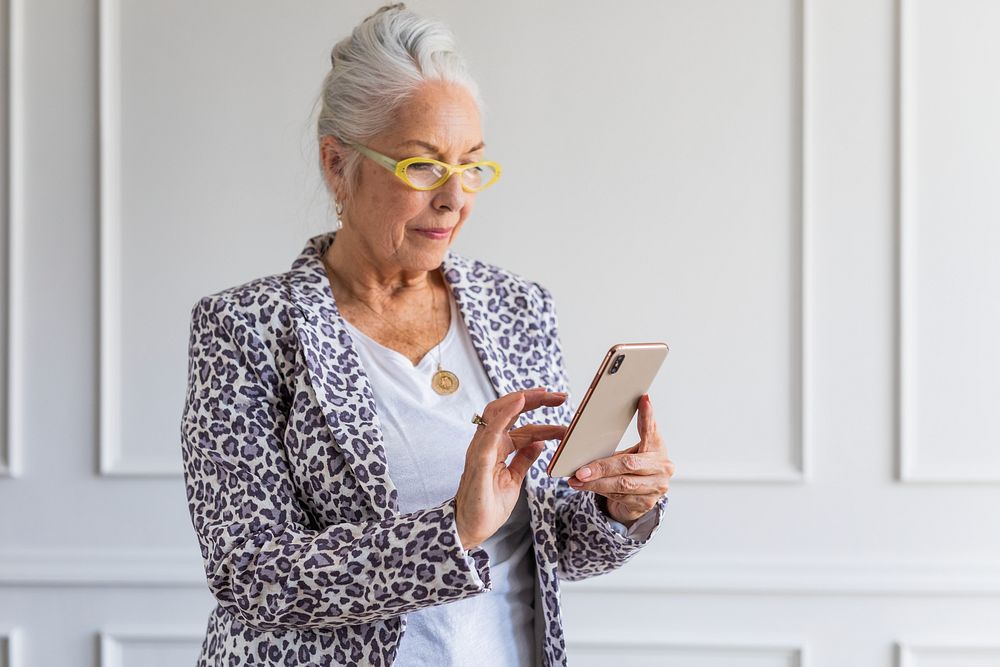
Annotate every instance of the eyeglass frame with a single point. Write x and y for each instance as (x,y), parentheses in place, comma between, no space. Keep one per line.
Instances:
(399,168)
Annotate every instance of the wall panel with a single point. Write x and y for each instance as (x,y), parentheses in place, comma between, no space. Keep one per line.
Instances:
(949,241)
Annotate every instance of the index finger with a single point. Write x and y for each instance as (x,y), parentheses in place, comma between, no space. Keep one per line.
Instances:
(619,463)
(539,396)
(505,410)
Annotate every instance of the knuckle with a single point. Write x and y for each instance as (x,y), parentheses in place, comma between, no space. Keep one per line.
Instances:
(624,484)
(631,462)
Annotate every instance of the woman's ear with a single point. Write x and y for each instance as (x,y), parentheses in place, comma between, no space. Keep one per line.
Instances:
(331,153)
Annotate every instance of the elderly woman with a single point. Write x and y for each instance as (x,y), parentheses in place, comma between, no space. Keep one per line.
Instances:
(349,512)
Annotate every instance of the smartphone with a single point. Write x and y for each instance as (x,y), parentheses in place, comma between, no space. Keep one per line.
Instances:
(608,407)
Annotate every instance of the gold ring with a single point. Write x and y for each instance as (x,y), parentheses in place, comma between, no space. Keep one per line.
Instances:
(476,419)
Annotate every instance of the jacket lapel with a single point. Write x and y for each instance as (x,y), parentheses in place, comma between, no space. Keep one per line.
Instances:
(341,385)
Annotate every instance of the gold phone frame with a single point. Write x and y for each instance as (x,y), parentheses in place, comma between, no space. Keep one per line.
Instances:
(612,353)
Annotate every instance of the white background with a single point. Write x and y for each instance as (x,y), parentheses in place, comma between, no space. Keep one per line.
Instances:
(799,196)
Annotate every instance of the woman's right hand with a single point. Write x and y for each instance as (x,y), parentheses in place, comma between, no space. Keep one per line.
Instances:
(490,488)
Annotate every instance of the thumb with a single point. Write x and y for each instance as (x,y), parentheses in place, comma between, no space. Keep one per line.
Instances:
(645,424)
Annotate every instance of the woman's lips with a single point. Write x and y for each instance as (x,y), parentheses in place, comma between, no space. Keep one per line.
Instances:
(434,233)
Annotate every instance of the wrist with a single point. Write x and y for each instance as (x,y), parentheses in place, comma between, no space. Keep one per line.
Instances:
(602,504)
(466,543)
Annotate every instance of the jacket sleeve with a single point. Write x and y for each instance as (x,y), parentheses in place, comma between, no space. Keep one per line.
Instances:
(640,528)
(264,562)
(587,540)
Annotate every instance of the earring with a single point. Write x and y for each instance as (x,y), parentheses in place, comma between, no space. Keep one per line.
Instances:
(340,211)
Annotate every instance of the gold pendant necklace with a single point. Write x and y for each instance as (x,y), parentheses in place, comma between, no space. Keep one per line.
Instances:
(443,382)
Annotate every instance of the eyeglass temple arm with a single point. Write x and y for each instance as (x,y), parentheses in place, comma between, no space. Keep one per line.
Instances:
(383,160)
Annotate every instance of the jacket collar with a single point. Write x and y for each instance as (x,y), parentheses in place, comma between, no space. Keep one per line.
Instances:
(342,387)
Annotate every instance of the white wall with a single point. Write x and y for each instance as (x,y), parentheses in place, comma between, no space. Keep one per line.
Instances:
(798,195)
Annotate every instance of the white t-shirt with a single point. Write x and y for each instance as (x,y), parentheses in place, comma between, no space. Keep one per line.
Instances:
(426,436)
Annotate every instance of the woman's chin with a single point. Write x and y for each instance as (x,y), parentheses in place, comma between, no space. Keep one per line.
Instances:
(430,257)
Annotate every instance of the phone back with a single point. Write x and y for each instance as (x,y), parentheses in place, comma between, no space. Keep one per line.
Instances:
(608,406)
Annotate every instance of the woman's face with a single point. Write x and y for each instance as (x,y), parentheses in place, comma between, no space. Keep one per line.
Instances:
(440,121)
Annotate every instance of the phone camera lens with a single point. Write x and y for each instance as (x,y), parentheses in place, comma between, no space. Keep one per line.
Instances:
(616,364)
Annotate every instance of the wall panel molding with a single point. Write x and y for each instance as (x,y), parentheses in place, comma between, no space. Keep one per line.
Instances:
(112,644)
(12,210)
(800,383)
(797,469)
(9,647)
(784,653)
(112,459)
(909,654)
(109,75)
(101,567)
(656,576)
(908,470)
(183,568)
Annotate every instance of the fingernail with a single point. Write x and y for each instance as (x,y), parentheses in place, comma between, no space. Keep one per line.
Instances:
(560,393)
(583,473)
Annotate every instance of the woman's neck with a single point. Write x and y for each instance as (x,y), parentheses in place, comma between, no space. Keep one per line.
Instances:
(374,284)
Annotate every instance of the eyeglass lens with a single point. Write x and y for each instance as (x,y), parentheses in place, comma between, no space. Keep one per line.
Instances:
(427,174)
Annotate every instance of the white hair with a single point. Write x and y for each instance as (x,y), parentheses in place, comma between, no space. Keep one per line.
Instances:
(376,68)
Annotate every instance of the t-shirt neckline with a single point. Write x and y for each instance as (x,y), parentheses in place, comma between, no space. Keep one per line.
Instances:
(429,357)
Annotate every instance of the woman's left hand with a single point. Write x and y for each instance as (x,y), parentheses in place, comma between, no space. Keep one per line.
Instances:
(633,479)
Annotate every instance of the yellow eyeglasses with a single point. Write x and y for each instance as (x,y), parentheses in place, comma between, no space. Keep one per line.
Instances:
(423,173)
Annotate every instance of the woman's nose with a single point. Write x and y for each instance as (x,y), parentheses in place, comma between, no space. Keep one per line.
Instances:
(450,195)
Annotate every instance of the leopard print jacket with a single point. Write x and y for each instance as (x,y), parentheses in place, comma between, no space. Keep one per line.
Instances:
(304,549)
